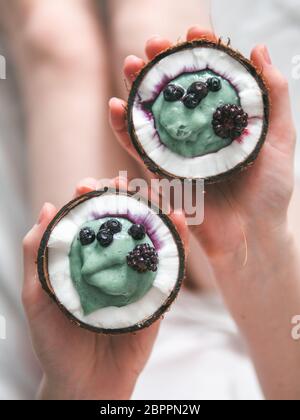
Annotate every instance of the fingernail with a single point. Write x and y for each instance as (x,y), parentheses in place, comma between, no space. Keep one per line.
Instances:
(87,185)
(178,212)
(267,56)
(132,57)
(111,101)
(195,27)
(153,38)
(41,215)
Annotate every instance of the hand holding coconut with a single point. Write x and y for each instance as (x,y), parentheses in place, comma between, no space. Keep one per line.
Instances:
(77,363)
(184,121)
(245,230)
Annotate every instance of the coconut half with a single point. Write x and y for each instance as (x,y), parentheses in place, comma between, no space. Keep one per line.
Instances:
(199,110)
(112,262)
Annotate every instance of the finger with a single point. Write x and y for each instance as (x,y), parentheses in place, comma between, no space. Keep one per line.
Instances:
(117,118)
(118,183)
(132,66)
(36,302)
(156,45)
(146,337)
(121,183)
(141,342)
(84,186)
(196,32)
(179,220)
(32,241)
(281,130)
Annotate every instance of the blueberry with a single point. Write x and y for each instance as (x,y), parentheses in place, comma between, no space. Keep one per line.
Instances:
(113,225)
(173,93)
(137,232)
(214,84)
(105,237)
(191,100)
(198,88)
(86,236)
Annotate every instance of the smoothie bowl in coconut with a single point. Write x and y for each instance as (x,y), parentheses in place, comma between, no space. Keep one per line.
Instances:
(199,110)
(112,262)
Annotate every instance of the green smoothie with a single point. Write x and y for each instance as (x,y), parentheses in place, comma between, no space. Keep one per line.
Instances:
(189,132)
(101,274)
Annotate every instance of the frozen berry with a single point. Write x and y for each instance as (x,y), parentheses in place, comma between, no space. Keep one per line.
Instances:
(191,100)
(143,258)
(173,93)
(214,84)
(105,237)
(138,232)
(113,225)
(229,121)
(198,88)
(86,236)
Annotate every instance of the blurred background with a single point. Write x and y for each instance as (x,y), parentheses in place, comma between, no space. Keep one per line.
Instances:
(34,54)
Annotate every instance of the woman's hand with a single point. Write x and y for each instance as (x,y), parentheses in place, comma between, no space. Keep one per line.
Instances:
(256,201)
(248,212)
(245,232)
(78,364)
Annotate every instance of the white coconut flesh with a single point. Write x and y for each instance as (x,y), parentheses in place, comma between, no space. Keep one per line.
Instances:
(60,242)
(169,68)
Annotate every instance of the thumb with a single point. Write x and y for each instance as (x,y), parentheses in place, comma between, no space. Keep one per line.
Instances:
(281,131)
(32,291)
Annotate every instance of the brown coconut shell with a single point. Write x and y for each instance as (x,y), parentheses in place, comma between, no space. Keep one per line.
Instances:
(43,274)
(153,166)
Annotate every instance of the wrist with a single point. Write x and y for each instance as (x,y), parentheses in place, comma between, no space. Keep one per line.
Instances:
(264,260)
(256,246)
(58,390)
(263,296)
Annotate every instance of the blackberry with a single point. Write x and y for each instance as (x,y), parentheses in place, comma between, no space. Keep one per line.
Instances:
(200,88)
(229,121)
(137,232)
(113,225)
(87,236)
(173,93)
(191,100)
(105,237)
(214,84)
(143,258)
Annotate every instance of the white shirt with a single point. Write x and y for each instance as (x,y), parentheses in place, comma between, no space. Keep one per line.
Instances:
(199,354)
